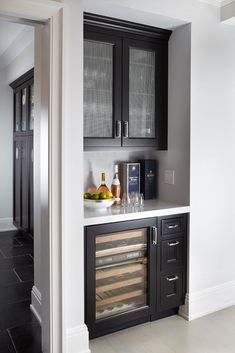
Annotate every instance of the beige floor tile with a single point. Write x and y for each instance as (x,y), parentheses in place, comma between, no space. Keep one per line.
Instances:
(213,333)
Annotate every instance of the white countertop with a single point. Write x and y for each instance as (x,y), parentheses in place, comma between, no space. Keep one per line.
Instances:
(152,208)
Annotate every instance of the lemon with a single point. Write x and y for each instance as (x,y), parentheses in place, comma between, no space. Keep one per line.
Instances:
(102,196)
(87,195)
(95,196)
(109,195)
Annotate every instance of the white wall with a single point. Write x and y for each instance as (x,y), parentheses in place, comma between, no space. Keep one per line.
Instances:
(6,152)
(17,67)
(212,192)
(177,157)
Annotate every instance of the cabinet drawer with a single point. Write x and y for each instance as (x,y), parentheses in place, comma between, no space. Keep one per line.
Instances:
(173,225)
(172,253)
(172,293)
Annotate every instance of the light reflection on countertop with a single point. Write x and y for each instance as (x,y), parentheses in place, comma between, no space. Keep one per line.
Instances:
(151,208)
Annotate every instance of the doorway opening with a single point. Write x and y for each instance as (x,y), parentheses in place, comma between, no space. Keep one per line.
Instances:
(20,321)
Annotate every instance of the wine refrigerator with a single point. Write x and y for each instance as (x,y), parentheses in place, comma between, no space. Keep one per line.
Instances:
(120,288)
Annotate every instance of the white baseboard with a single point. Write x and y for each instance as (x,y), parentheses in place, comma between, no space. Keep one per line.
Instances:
(36,303)
(208,301)
(6,224)
(78,339)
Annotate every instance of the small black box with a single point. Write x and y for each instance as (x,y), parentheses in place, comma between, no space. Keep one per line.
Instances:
(148,178)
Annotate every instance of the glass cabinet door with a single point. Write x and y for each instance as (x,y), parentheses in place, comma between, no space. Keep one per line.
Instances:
(17,111)
(98,89)
(143,93)
(24,109)
(31,107)
(101,87)
(121,272)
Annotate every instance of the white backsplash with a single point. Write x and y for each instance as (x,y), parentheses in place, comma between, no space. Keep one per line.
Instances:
(103,161)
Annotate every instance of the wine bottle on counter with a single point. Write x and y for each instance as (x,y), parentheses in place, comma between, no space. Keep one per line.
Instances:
(103,187)
(116,187)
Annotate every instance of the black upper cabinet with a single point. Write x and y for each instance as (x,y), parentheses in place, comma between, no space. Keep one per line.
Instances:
(125,84)
(102,89)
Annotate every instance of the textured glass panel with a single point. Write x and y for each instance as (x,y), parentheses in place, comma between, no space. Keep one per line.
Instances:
(121,272)
(98,89)
(141,93)
(24,112)
(17,111)
(31,108)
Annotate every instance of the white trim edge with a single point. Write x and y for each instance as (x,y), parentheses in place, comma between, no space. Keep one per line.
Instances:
(208,301)
(36,305)
(77,339)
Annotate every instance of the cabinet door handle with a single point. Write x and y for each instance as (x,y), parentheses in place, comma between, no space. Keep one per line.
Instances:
(171,279)
(154,236)
(174,243)
(173,226)
(125,129)
(118,128)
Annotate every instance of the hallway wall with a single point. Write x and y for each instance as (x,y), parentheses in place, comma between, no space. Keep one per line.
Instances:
(6,151)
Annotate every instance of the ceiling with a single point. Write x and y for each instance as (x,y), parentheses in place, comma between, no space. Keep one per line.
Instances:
(14,38)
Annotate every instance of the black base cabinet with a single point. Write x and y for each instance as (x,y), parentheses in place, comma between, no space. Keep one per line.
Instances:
(135,271)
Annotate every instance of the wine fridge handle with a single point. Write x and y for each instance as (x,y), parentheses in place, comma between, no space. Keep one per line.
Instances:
(154,235)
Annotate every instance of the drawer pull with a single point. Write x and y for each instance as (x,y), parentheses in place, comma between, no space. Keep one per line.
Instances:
(173,226)
(174,243)
(171,279)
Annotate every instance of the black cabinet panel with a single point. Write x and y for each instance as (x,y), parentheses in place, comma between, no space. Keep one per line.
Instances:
(172,291)
(25,182)
(17,184)
(172,252)
(172,225)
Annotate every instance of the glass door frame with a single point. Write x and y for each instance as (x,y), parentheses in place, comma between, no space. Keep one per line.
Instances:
(125,319)
(92,33)
(161,91)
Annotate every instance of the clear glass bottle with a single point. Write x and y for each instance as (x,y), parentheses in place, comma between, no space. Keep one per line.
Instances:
(103,187)
(116,187)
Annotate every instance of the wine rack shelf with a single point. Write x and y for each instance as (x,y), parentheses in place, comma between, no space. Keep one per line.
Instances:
(121,271)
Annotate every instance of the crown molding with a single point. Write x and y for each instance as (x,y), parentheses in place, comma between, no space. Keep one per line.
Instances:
(218,3)
(22,41)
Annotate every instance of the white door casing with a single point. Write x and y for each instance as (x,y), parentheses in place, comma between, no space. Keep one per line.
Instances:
(53,26)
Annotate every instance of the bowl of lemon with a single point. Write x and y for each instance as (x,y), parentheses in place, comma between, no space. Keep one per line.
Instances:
(98,200)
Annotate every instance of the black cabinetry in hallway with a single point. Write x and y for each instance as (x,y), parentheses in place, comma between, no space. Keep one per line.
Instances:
(23,125)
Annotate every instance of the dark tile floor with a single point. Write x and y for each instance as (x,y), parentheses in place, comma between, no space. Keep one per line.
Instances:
(20,332)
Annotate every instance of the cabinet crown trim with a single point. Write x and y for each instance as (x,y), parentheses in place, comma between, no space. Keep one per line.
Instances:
(127,26)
